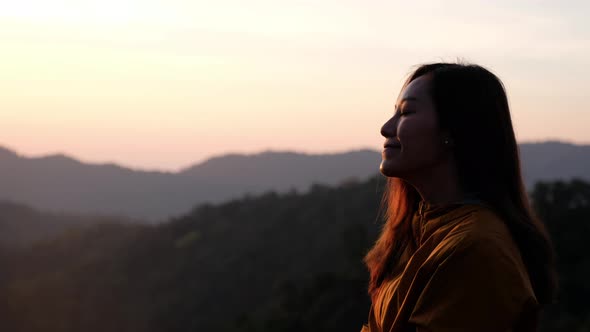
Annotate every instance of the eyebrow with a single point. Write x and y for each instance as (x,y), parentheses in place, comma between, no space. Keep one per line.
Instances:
(404,100)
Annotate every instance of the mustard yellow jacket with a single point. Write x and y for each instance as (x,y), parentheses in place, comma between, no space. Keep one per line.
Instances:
(466,275)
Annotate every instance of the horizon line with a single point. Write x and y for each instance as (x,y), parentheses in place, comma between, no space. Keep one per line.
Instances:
(235,153)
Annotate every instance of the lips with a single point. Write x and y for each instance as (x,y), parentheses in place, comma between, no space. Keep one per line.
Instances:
(392,145)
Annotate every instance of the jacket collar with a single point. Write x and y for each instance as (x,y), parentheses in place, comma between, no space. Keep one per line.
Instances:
(428,217)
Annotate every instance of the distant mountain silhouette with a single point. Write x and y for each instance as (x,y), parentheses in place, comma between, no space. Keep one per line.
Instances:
(64,184)
(61,183)
(554,160)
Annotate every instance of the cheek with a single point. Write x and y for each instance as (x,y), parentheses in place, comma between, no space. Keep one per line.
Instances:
(418,139)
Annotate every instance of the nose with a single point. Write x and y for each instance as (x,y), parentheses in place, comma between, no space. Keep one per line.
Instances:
(388,129)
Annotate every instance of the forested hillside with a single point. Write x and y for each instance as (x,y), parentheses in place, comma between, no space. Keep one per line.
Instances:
(273,262)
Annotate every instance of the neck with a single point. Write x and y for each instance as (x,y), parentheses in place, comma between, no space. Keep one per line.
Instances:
(438,185)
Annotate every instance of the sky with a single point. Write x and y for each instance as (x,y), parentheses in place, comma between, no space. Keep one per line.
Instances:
(164,84)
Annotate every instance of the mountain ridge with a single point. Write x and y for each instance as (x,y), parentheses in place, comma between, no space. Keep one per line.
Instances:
(62,183)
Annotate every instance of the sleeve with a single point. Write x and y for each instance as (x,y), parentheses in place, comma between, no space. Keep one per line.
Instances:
(478,287)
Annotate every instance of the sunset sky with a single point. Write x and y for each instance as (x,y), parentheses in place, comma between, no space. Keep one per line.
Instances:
(162,84)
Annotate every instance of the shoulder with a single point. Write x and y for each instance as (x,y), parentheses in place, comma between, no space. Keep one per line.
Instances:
(481,248)
(481,232)
(477,276)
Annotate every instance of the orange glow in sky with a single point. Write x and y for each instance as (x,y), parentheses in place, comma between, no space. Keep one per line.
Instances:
(164,84)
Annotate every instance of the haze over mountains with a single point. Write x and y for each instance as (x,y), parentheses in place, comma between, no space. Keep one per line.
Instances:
(21,226)
(61,183)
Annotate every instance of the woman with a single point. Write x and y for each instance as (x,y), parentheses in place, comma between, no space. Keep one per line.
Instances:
(461,249)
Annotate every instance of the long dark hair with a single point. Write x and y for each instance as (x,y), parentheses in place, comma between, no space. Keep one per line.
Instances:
(471,104)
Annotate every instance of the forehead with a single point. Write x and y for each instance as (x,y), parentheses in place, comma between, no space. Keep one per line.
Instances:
(417,89)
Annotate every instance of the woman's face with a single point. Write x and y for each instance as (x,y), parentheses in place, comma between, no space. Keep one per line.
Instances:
(413,132)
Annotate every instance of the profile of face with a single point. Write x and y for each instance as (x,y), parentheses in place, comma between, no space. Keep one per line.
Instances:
(414,142)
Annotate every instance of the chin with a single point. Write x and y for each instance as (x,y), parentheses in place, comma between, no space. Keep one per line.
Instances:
(386,169)
(391,169)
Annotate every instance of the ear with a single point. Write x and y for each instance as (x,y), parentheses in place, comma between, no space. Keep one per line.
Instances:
(447,141)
